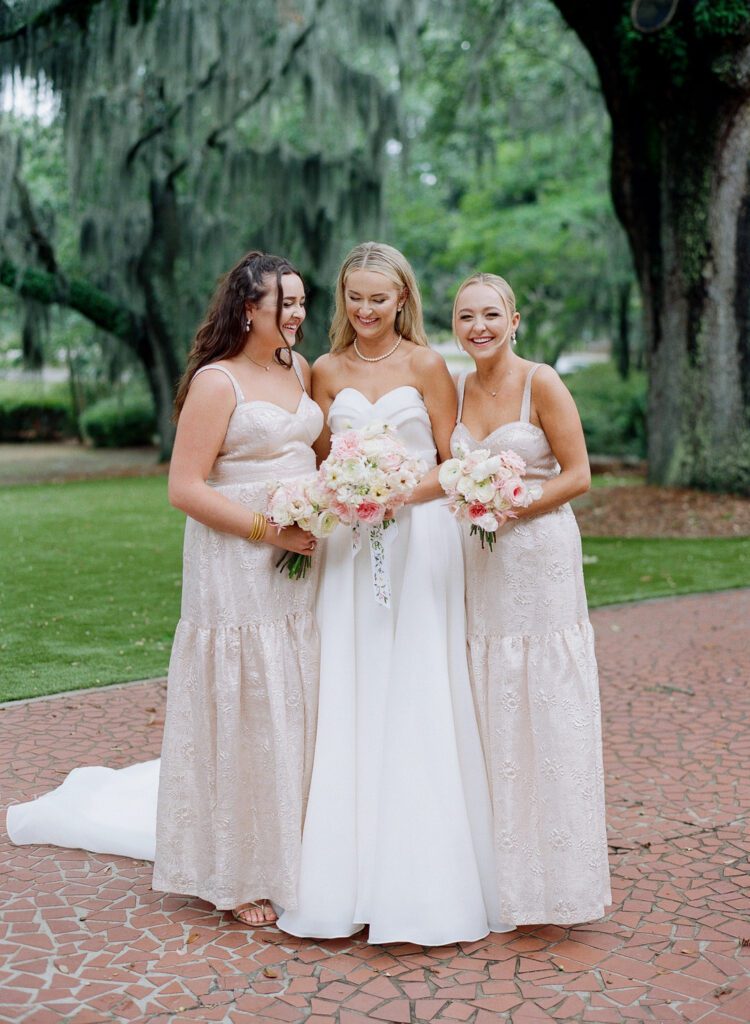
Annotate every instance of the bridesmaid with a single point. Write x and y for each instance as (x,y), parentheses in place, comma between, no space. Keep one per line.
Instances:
(531,645)
(242,690)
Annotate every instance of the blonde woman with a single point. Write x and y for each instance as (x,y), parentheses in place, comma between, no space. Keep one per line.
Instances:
(531,646)
(397,833)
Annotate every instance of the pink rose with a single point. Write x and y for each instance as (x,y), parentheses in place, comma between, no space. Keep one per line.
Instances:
(477,510)
(345,445)
(514,490)
(370,512)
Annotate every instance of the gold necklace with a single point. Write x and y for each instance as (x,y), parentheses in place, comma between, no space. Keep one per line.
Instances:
(376,359)
(487,391)
(263,366)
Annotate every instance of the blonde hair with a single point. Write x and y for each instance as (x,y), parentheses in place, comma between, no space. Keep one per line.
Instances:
(498,284)
(382,259)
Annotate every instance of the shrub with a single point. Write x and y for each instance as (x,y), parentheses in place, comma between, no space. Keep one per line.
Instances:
(612,410)
(120,422)
(26,416)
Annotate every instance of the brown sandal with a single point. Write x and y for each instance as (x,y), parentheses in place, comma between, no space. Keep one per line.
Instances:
(255,914)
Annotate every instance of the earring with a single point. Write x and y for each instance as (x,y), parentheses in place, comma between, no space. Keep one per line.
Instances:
(513,338)
(248,325)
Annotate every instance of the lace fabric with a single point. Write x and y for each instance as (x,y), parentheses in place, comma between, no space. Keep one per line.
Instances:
(241,699)
(536,692)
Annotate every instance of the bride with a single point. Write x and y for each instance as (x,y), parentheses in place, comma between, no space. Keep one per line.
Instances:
(398,827)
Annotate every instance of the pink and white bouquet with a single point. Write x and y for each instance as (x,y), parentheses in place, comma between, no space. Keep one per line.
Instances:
(485,489)
(305,503)
(368,475)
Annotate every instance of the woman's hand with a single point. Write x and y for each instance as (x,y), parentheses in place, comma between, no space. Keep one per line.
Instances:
(291,538)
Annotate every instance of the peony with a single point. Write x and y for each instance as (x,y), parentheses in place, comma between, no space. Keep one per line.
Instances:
(513,461)
(345,445)
(476,510)
(370,512)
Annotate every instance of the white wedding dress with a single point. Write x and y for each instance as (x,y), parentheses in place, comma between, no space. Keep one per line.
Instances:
(398,832)
(104,810)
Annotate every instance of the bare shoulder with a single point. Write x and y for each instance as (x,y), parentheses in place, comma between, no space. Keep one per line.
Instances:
(212,386)
(547,381)
(550,390)
(301,361)
(427,360)
(325,372)
(323,365)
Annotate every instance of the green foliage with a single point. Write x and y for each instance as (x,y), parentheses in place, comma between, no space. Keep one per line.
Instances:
(721,17)
(506,171)
(89,584)
(120,421)
(28,413)
(612,410)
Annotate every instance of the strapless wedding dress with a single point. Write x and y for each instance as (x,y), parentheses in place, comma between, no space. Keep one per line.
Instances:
(398,832)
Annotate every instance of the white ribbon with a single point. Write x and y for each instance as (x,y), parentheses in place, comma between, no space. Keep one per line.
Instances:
(381,537)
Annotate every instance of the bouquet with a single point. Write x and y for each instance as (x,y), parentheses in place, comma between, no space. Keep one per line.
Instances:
(484,489)
(368,475)
(304,503)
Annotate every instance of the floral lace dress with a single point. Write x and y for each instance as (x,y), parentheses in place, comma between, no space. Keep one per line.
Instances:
(242,694)
(535,685)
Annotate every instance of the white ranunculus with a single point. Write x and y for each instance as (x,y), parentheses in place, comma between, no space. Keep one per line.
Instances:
(484,491)
(449,473)
(486,468)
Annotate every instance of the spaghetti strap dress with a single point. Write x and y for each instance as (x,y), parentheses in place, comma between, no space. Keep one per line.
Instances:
(536,692)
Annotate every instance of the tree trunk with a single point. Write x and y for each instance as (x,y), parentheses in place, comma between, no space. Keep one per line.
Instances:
(144,337)
(680,108)
(622,330)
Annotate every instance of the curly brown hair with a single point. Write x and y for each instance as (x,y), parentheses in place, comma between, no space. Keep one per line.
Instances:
(223,333)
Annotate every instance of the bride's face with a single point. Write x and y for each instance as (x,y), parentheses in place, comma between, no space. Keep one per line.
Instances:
(483,324)
(372,302)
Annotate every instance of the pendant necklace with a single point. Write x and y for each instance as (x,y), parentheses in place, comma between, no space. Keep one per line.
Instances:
(376,359)
(263,366)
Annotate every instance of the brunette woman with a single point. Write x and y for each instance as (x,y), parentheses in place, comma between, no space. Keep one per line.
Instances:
(243,674)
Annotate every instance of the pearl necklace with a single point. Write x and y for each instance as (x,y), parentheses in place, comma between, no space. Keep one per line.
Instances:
(376,359)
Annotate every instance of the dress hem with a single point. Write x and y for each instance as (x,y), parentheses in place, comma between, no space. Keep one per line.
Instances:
(222,904)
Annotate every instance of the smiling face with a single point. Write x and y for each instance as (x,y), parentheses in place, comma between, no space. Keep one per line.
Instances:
(372,302)
(264,313)
(483,320)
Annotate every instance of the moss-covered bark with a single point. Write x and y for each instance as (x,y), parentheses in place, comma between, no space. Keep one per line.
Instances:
(680,106)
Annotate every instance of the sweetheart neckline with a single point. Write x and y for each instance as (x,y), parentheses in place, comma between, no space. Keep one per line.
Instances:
(385,394)
(511,423)
(275,405)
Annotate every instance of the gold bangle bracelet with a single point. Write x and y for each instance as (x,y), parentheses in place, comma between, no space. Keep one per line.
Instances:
(259,527)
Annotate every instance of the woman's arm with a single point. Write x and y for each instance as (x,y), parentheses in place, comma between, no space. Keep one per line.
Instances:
(200,431)
(561,423)
(323,393)
(439,394)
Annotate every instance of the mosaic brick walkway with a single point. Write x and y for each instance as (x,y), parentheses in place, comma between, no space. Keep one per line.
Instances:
(84,940)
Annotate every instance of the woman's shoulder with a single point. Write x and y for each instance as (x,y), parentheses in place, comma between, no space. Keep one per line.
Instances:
(426,359)
(549,387)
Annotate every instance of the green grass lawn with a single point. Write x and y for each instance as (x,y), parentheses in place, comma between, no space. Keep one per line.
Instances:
(89,583)
(90,580)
